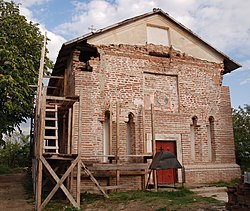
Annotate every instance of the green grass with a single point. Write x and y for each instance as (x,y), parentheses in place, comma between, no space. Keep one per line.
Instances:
(172,199)
(182,199)
(225,184)
(5,169)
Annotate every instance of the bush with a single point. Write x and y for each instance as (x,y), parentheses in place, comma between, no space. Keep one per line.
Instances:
(15,152)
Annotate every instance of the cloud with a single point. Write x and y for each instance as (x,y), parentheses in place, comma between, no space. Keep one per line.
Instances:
(55,43)
(56,40)
(224,24)
(28,3)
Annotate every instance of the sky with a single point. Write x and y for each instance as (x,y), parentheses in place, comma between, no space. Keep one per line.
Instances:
(225,24)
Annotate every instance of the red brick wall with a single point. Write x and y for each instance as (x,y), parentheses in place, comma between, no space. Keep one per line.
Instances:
(180,87)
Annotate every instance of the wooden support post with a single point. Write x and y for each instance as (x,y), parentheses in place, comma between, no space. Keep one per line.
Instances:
(63,143)
(78,182)
(65,88)
(69,132)
(153,146)
(110,137)
(40,150)
(110,128)
(73,129)
(59,183)
(40,76)
(117,140)
(143,131)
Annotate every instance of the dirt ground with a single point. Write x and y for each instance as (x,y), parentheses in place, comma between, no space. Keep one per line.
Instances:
(12,193)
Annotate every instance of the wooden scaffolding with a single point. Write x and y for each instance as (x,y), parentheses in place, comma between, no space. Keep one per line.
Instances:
(53,155)
(56,166)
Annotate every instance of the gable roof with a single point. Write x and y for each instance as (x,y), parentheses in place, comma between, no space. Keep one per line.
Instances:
(229,64)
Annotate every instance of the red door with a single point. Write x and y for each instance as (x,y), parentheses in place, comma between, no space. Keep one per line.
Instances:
(170,175)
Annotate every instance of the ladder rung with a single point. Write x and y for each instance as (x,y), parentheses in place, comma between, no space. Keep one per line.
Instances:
(51,128)
(50,118)
(50,137)
(51,110)
(50,147)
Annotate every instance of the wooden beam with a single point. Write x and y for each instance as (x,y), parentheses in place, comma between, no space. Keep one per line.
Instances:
(40,76)
(78,181)
(114,166)
(73,129)
(69,131)
(117,141)
(93,179)
(153,145)
(59,182)
(110,128)
(53,76)
(65,87)
(143,131)
(60,98)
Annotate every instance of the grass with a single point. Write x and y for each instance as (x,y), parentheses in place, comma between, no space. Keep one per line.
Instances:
(5,169)
(225,184)
(172,200)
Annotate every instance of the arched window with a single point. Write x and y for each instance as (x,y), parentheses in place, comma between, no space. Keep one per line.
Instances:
(106,135)
(193,136)
(130,134)
(211,140)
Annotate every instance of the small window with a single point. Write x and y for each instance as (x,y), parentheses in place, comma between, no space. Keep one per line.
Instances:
(157,35)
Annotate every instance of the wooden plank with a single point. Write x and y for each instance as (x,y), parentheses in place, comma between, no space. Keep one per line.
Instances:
(50,118)
(153,145)
(117,130)
(42,123)
(53,76)
(40,76)
(93,179)
(50,128)
(39,185)
(73,129)
(143,131)
(69,131)
(60,98)
(109,166)
(117,141)
(65,83)
(50,137)
(79,124)
(78,184)
(50,110)
(114,187)
(59,182)
(110,128)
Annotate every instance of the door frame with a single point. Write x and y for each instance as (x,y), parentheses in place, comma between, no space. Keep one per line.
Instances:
(168,137)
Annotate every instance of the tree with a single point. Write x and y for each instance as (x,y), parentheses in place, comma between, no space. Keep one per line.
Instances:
(241,123)
(20,47)
(15,152)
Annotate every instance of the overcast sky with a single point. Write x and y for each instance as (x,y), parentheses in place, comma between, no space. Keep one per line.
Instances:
(225,24)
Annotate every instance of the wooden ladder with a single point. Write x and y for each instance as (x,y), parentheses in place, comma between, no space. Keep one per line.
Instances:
(51,130)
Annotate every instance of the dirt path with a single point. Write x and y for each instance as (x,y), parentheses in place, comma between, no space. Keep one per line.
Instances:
(12,194)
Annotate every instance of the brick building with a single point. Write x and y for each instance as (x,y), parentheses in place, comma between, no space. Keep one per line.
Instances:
(149,64)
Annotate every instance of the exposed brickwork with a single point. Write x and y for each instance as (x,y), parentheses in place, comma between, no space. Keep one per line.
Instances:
(179,85)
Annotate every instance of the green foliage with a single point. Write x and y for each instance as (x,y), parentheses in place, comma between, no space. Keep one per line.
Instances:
(20,47)
(5,169)
(15,153)
(241,124)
